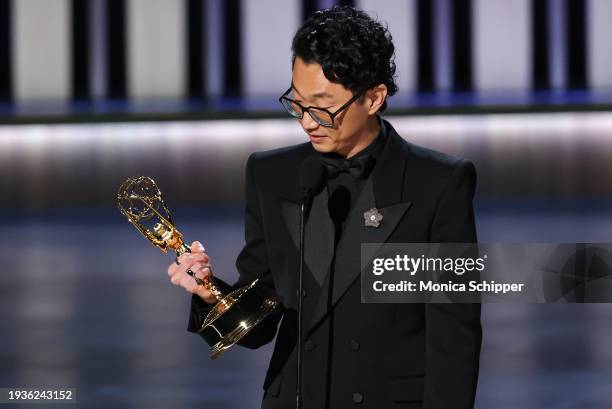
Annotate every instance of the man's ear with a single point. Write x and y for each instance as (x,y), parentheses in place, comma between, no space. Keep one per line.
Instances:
(375,97)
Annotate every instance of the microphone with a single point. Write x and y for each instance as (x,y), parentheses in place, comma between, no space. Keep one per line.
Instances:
(313,175)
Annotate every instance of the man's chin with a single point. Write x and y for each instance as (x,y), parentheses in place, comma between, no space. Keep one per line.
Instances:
(322,147)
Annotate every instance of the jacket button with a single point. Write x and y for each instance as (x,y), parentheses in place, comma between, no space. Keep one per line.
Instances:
(309,346)
(297,293)
(353,345)
(357,397)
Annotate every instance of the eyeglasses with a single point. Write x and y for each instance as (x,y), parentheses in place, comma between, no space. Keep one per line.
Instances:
(321,115)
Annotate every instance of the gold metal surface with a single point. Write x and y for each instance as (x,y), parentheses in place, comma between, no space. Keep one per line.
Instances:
(244,327)
(141,202)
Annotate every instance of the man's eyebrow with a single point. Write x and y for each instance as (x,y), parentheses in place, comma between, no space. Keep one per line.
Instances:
(322,94)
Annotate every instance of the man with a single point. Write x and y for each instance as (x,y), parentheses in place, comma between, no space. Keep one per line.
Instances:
(365,355)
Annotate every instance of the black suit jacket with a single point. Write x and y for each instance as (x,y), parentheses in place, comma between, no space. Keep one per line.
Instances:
(359,355)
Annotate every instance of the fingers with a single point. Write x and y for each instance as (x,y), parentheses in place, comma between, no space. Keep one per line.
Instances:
(187,260)
(189,284)
(176,278)
(199,263)
(200,267)
(201,270)
(186,257)
(197,247)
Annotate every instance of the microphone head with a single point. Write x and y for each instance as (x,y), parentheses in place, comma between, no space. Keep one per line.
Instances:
(312,174)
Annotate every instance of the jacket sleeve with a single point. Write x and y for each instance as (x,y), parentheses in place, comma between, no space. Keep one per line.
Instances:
(453,331)
(252,263)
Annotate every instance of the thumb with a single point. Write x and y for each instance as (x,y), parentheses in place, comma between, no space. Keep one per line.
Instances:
(196,247)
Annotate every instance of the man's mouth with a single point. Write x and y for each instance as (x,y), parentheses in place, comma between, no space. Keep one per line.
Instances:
(316,138)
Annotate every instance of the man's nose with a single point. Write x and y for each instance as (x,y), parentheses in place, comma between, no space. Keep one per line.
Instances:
(308,123)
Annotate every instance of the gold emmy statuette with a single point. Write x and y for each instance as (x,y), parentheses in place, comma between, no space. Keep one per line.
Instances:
(234,315)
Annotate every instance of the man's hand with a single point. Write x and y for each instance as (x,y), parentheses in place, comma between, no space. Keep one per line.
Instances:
(198,262)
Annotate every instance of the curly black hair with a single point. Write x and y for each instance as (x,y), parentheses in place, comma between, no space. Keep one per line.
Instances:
(353,49)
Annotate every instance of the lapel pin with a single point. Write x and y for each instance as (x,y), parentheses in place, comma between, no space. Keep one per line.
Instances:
(372,217)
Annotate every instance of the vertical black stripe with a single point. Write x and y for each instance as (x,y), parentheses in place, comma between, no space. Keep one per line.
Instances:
(232,83)
(80,50)
(425,65)
(116,49)
(576,44)
(308,8)
(539,49)
(350,3)
(462,34)
(6,91)
(196,41)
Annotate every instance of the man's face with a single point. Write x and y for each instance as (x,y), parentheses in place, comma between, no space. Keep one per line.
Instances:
(311,88)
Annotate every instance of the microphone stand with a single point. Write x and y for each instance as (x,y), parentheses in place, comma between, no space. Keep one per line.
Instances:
(298,388)
(312,174)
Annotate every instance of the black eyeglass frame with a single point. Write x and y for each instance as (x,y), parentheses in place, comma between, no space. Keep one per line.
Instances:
(332,115)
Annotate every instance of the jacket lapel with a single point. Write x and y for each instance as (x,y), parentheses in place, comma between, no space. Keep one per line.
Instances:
(318,236)
(348,266)
(382,191)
